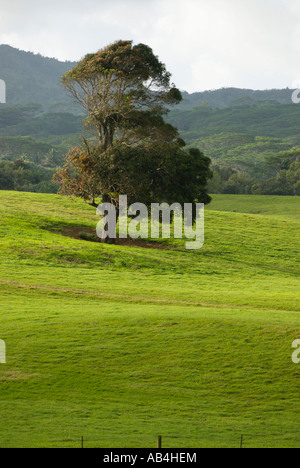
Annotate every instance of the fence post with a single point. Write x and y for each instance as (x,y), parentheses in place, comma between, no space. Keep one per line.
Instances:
(81,442)
(159,442)
(241,441)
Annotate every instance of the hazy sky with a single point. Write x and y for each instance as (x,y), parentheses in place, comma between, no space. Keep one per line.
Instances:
(206,44)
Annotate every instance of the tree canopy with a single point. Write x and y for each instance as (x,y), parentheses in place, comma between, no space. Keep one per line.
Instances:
(124,89)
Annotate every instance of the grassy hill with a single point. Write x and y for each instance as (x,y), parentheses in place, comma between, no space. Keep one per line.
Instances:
(119,344)
(285,207)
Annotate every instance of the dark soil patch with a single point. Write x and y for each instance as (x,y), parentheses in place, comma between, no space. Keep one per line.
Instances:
(90,235)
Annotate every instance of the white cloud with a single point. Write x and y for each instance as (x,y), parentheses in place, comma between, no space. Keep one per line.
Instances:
(205,44)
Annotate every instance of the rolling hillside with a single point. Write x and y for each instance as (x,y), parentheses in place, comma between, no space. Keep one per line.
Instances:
(121,343)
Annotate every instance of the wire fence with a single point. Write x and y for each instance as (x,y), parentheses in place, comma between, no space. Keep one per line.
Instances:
(160,442)
(229,440)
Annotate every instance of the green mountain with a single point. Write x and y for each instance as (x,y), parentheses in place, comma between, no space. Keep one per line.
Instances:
(234,97)
(267,119)
(31,78)
(251,136)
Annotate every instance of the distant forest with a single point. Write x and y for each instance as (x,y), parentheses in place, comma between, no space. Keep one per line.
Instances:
(252,137)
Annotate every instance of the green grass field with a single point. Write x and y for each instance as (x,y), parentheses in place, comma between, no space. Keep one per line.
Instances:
(287,207)
(120,344)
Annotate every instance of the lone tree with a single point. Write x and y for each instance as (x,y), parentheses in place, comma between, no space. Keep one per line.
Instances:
(126,91)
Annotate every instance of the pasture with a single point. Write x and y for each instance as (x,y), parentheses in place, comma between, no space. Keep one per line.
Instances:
(122,343)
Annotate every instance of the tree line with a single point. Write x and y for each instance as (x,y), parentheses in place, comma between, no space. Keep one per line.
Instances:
(284,181)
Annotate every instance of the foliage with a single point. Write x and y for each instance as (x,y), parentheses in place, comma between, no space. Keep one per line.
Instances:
(125,91)
(28,165)
(25,176)
(285,179)
(12,148)
(148,174)
(122,88)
